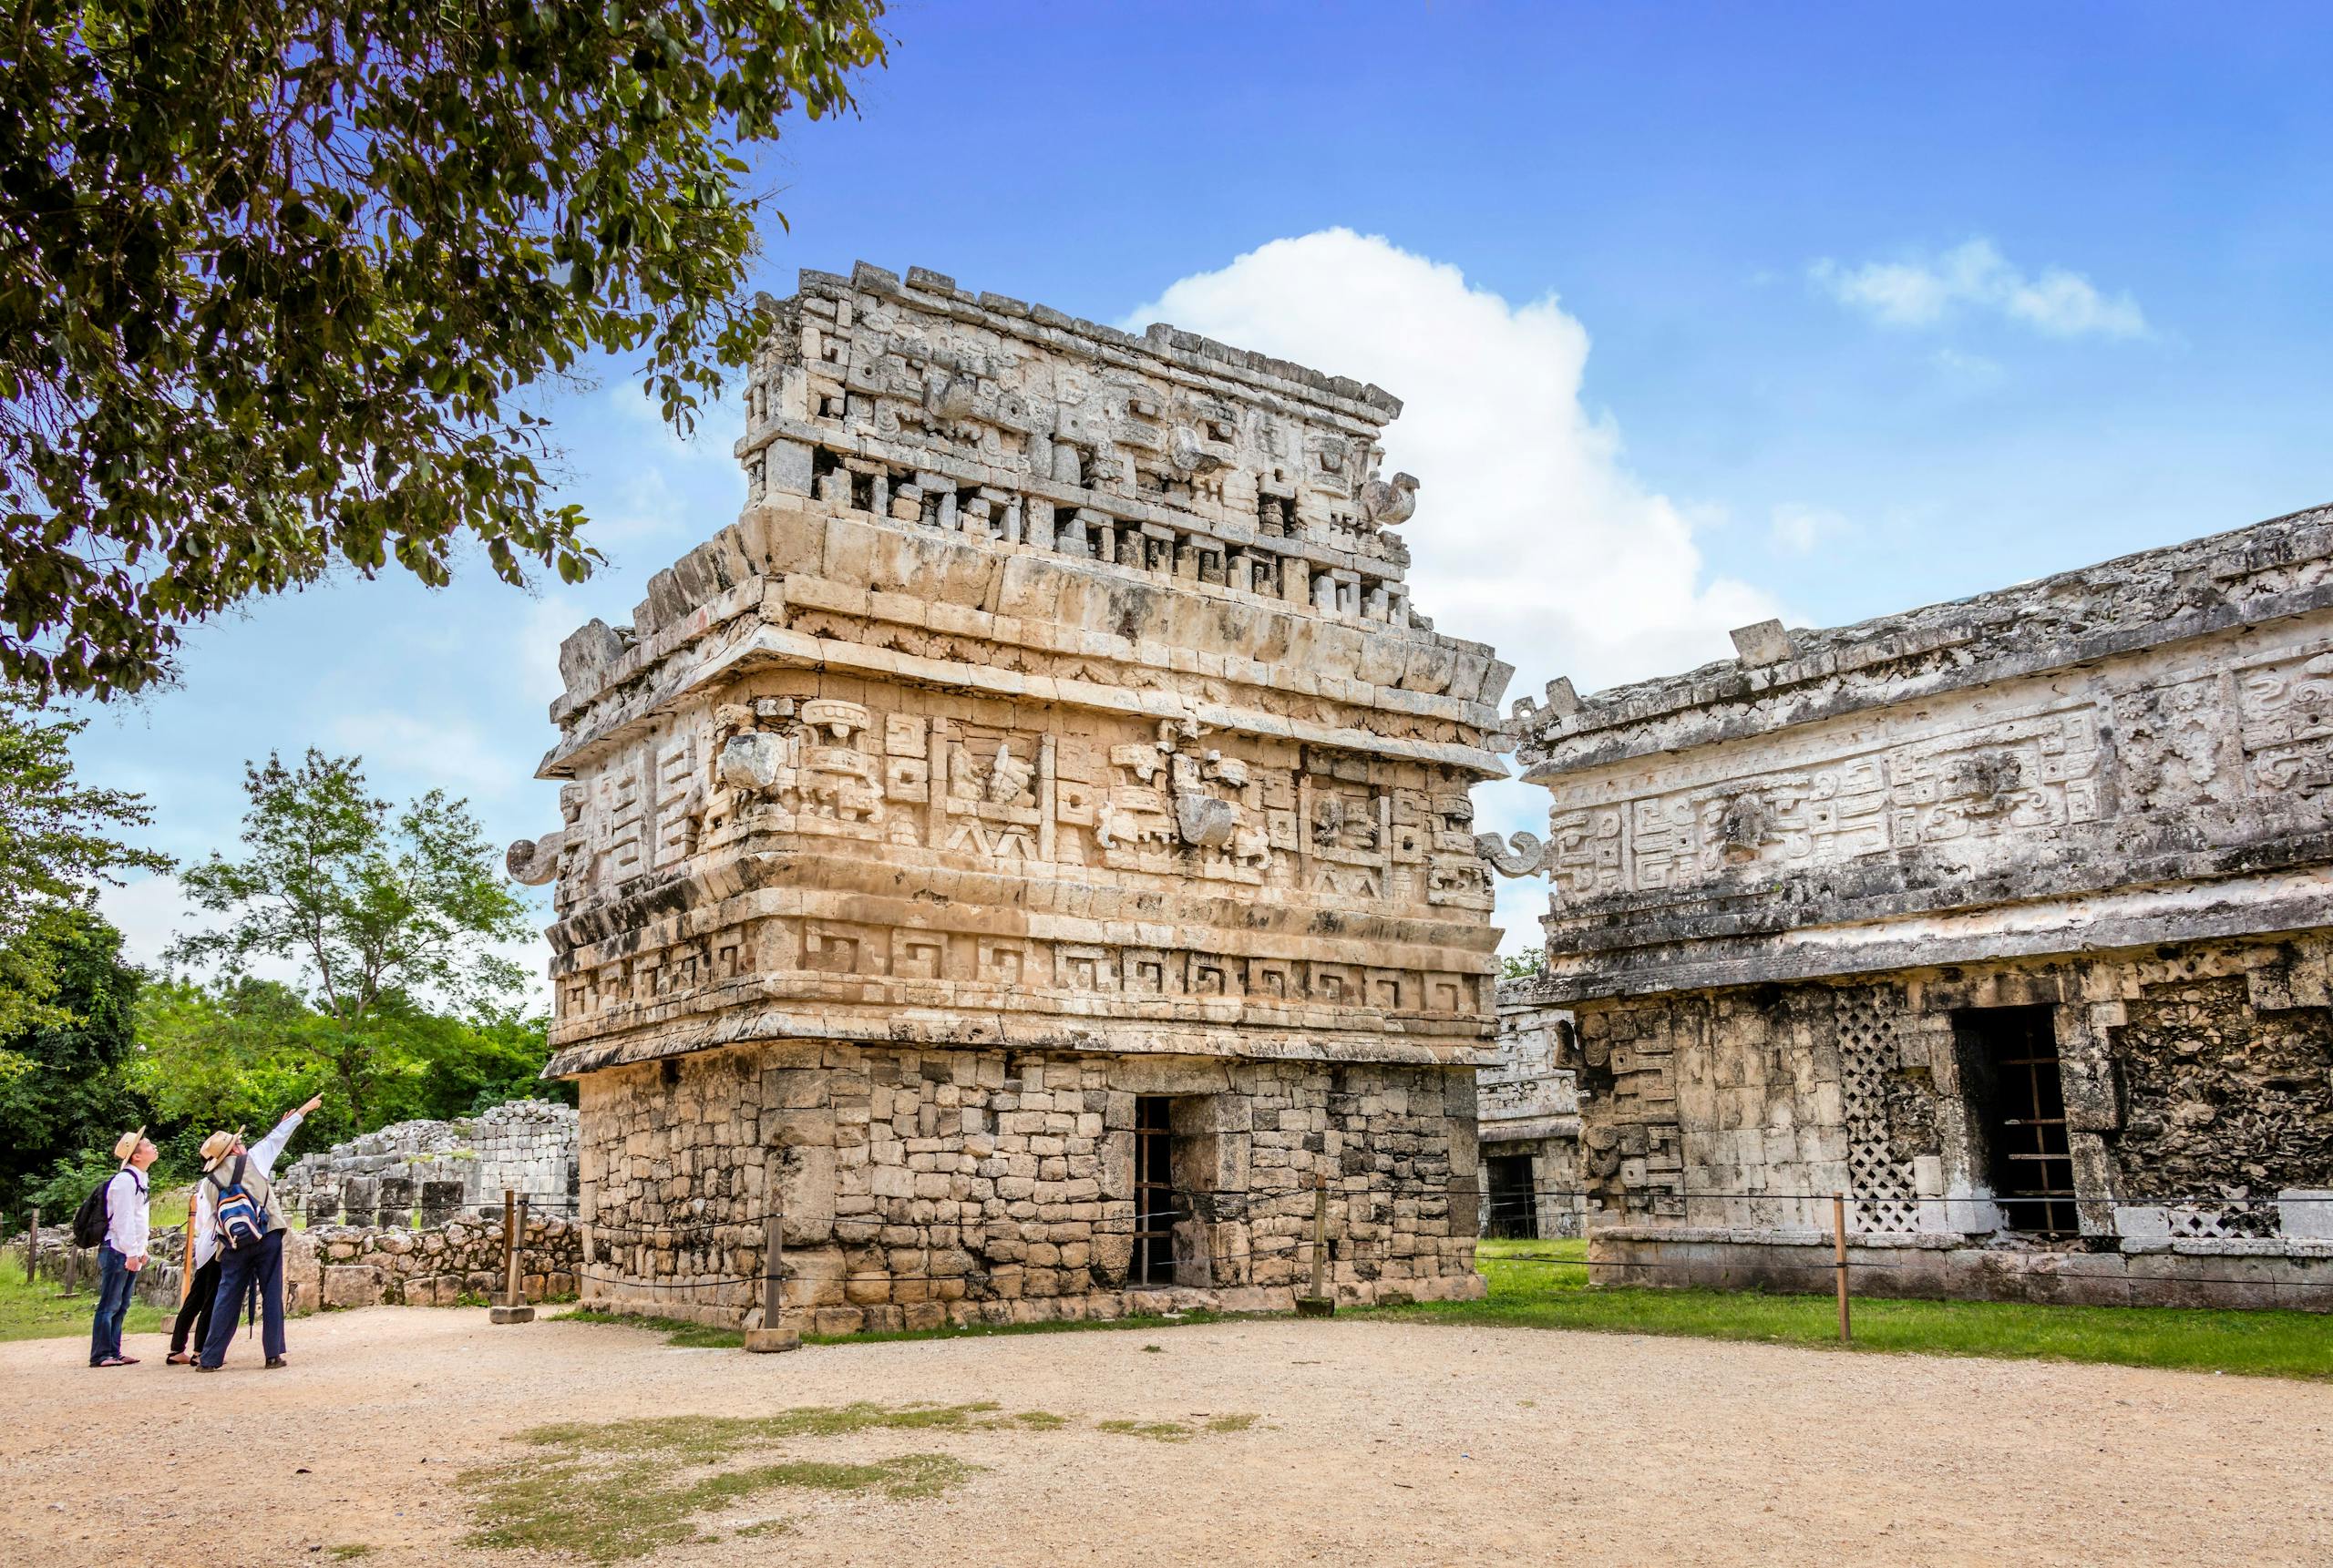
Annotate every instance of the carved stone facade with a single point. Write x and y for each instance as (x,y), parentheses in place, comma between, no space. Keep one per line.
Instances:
(1529,1127)
(2007,918)
(1053,722)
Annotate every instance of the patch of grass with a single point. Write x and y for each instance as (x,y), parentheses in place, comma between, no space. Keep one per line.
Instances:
(1232,1423)
(766,1527)
(1527,1293)
(608,1492)
(1154,1349)
(1156,1431)
(1037,1421)
(36,1311)
(676,1331)
(349,1552)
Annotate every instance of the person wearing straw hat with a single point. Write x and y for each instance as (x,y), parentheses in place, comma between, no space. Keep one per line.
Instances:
(238,1179)
(199,1280)
(123,1252)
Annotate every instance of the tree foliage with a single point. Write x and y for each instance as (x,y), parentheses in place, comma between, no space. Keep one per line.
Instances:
(1524,964)
(56,848)
(272,273)
(373,909)
(71,1094)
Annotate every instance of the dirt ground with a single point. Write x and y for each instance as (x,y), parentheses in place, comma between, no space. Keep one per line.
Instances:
(1376,1443)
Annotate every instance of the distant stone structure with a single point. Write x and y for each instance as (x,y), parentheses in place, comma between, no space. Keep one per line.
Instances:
(1031,847)
(439,1168)
(2007,918)
(1529,1129)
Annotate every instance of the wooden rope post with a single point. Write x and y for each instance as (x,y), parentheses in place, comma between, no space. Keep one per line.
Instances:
(32,1244)
(1319,1304)
(512,1308)
(773,1334)
(1839,1247)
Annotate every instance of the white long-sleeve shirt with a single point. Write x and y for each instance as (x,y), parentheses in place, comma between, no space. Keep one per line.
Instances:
(126,1217)
(261,1157)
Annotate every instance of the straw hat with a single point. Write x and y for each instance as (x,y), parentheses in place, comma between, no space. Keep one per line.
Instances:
(215,1147)
(127,1144)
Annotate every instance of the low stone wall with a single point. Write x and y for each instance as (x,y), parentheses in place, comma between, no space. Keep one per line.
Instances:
(350,1265)
(2217,1273)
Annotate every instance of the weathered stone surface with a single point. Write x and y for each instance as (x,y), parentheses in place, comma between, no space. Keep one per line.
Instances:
(526,1146)
(1054,730)
(351,1284)
(1794,901)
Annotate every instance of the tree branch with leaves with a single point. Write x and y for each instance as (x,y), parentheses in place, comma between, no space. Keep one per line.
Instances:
(371,904)
(273,273)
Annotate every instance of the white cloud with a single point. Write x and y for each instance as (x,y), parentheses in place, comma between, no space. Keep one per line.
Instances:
(1797,529)
(1530,534)
(1923,291)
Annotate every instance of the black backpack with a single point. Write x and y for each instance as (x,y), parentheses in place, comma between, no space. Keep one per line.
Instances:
(90,1219)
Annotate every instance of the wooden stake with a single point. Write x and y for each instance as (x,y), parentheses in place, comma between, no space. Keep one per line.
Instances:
(773,1336)
(32,1244)
(1839,1246)
(1319,1304)
(512,1309)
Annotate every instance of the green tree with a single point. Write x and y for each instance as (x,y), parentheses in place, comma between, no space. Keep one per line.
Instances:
(71,1094)
(373,908)
(1523,964)
(55,850)
(272,273)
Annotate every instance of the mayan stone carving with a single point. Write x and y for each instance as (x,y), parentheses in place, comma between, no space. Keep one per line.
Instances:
(1030,847)
(2009,919)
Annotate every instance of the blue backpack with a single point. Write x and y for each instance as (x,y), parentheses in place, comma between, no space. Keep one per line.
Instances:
(242,1219)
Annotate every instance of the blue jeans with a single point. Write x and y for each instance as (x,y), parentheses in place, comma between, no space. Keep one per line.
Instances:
(114,1280)
(239,1268)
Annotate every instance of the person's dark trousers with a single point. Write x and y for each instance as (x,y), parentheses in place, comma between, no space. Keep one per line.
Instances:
(114,1280)
(194,1312)
(238,1267)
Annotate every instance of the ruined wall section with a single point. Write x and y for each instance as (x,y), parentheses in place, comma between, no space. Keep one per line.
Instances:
(2137,752)
(991,1187)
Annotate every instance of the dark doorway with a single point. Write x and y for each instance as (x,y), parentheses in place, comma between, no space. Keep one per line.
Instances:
(1154,1192)
(2016,1097)
(1513,1198)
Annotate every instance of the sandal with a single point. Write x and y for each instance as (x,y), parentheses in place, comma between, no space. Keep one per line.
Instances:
(180,1358)
(114,1361)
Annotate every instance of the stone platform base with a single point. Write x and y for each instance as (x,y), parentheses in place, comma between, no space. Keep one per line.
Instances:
(1100,1308)
(510,1315)
(2295,1277)
(764,1341)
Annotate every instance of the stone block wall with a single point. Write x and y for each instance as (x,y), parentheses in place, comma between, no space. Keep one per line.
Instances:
(352,1265)
(973,1185)
(526,1146)
(2197,1085)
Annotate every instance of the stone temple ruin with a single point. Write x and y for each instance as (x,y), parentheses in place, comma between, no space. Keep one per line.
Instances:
(1031,848)
(2007,917)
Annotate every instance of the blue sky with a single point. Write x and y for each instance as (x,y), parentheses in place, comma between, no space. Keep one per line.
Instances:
(1702,312)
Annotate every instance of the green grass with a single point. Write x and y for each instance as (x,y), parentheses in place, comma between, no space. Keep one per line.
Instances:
(38,1312)
(1543,1284)
(608,1490)
(1529,1293)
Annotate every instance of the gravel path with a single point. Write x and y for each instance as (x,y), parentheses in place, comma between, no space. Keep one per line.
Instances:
(1377,1443)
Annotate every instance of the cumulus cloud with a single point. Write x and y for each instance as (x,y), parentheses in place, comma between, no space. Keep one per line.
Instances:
(1531,533)
(1924,292)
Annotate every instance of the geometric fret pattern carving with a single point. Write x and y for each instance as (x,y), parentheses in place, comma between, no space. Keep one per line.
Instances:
(1885,1200)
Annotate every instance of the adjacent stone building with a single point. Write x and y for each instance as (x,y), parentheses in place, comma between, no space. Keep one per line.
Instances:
(1030,847)
(2008,917)
(436,1168)
(1529,1123)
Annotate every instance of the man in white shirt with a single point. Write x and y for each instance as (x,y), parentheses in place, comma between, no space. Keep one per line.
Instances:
(123,1252)
(226,1162)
